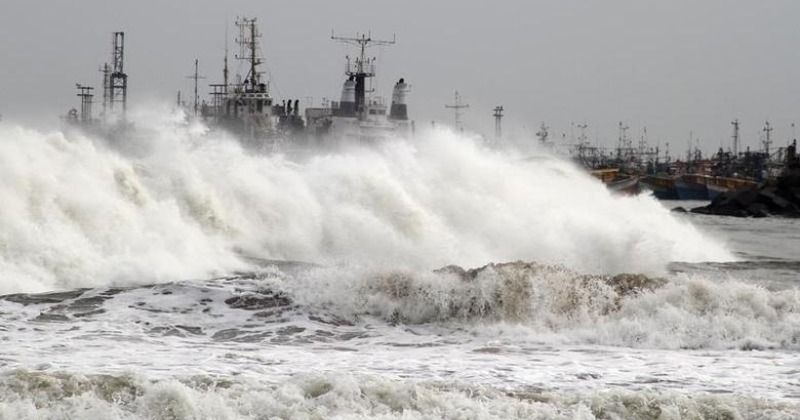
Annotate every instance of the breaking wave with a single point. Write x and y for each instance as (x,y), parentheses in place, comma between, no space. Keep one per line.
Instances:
(174,202)
(531,302)
(685,312)
(28,394)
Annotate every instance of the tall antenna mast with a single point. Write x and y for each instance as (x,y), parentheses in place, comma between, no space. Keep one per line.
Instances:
(225,69)
(118,80)
(498,117)
(106,70)
(735,124)
(768,139)
(248,50)
(85,93)
(457,106)
(196,76)
(362,67)
(623,139)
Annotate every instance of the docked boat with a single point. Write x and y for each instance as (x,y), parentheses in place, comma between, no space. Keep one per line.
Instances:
(628,185)
(617,181)
(662,186)
(717,185)
(691,187)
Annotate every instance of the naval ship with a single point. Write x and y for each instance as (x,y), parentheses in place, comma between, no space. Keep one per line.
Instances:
(243,105)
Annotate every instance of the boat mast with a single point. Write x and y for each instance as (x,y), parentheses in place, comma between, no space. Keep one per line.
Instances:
(363,67)
(498,119)
(735,124)
(196,76)
(457,106)
(225,69)
(768,138)
(248,50)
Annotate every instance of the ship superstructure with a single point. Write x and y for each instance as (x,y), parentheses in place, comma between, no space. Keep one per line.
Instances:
(359,115)
(244,105)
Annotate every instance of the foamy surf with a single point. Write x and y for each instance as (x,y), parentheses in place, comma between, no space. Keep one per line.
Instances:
(29,394)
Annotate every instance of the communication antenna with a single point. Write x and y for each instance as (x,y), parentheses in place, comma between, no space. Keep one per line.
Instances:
(106,70)
(768,138)
(623,139)
(118,79)
(498,117)
(735,124)
(248,50)
(362,67)
(363,41)
(85,93)
(196,76)
(225,68)
(457,106)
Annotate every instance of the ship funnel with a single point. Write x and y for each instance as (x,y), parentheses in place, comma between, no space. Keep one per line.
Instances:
(399,110)
(348,104)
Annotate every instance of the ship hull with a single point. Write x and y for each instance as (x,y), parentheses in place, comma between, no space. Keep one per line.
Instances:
(663,187)
(690,190)
(627,186)
(715,190)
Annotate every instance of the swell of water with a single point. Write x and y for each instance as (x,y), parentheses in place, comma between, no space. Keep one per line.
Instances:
(175,202)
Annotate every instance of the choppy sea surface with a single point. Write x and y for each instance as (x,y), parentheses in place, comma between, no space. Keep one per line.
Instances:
(485,298)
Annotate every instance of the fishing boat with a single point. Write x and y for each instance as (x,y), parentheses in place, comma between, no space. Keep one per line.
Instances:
(662,186)
(717,185)
(691,187)
(617,181)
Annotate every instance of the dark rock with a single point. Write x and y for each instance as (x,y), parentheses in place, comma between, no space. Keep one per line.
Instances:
(779,197)
(255,302)
(42,298)
(758,210)
(51,317)
(745,198)
(190,330)
(679,209)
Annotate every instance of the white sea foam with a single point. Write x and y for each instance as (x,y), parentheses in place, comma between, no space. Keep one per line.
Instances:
(39,395)
(173,203)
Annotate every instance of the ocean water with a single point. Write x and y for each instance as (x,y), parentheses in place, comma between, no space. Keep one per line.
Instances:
(176,275)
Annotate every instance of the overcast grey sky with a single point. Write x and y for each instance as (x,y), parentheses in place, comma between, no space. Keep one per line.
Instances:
(674,66)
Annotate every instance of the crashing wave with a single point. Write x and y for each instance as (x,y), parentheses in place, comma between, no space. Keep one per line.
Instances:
(80,212)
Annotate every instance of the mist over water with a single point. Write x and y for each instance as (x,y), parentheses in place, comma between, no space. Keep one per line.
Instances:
(178,202)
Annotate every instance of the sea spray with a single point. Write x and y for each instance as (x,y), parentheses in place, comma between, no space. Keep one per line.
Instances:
(175,202)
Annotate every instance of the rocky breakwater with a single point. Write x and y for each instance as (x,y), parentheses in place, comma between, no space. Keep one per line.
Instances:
(779,197)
